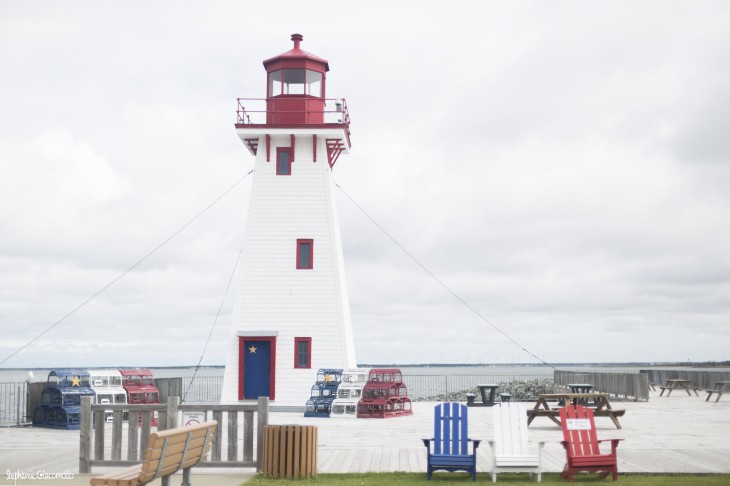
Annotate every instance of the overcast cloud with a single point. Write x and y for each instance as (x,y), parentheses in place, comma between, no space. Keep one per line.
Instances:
(561,166)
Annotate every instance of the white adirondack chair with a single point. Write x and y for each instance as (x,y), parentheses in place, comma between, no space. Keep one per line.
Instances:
(510,445)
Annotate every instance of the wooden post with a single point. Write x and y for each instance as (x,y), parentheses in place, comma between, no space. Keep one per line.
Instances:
(218,442)
(132,437)
(116,435)
(85,427)
(172,404)
(232,435)
(248,435)
(145,432)
(99,435)
(263,419)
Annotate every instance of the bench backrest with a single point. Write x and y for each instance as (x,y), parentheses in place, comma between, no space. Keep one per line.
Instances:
(450,429)
(510,429)
(174,449)
(579,431)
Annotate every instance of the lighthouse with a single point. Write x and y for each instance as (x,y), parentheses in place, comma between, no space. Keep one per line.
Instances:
(291,312)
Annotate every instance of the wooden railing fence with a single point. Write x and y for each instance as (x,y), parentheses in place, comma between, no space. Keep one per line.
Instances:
(700,378)
(239,452)
(624,385)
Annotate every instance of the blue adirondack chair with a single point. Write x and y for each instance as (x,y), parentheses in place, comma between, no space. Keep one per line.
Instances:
(450,450)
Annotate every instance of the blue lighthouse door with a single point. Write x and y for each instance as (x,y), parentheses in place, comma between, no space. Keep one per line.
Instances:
(256,369)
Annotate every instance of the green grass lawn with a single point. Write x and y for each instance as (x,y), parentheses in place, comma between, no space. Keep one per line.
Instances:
(453,479)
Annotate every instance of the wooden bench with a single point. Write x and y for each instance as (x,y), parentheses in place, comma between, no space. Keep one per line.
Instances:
(168,452)
(553,413)
(612,413)
(672,388)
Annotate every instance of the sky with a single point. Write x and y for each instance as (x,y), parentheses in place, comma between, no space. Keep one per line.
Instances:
(561,168)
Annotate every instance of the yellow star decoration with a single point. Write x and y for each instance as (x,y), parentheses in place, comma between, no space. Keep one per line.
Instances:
(76,381)
(252,349)
(327,378)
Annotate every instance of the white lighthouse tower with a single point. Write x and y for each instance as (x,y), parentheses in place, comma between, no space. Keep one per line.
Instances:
(291,312)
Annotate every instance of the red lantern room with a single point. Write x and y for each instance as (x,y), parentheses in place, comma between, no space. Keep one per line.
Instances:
(295,105)
(295,90)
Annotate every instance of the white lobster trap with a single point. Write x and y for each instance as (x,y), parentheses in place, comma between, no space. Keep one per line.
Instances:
(349,392)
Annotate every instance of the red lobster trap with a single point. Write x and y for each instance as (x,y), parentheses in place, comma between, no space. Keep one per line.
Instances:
(384,395)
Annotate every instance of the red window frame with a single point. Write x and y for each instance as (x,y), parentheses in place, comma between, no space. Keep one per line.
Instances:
(300,265)
(289,151)
(298,340)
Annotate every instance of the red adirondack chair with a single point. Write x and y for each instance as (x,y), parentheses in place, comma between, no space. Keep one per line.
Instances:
(581,444)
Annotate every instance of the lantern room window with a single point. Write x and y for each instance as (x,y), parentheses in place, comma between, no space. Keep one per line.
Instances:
(314,83)
(295,82)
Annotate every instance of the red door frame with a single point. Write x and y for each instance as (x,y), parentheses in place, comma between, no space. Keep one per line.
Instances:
(272,362)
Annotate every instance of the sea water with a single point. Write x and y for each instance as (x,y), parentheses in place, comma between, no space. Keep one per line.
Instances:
(17,375)
(35,375)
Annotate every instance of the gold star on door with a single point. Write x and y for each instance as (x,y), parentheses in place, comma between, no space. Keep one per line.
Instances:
(252,349)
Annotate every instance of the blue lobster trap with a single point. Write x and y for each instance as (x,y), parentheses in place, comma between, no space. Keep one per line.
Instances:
(323,393)
(60,405)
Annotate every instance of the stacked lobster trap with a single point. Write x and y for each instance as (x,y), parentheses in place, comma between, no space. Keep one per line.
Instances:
(60,404)
(384,395)
(323,393)
(349,392)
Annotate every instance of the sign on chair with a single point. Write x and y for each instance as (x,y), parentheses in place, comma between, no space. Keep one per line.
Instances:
(578,424)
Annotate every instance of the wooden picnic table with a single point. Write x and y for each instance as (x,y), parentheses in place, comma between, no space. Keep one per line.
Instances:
(487,392)
(678,384)
(602,406)
(580,388)
(719,388)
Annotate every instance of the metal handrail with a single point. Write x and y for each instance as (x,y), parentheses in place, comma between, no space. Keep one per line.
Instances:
(248,116)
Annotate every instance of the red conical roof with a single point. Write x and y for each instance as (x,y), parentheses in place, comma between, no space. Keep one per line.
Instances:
(297,53)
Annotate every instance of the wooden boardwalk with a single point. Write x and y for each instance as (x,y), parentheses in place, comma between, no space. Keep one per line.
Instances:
(676,434)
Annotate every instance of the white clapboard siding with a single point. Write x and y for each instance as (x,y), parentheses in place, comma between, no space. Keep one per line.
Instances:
(271,294)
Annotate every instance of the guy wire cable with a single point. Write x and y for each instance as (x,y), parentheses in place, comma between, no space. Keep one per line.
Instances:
(440,282)
(215,321)
(115,280)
